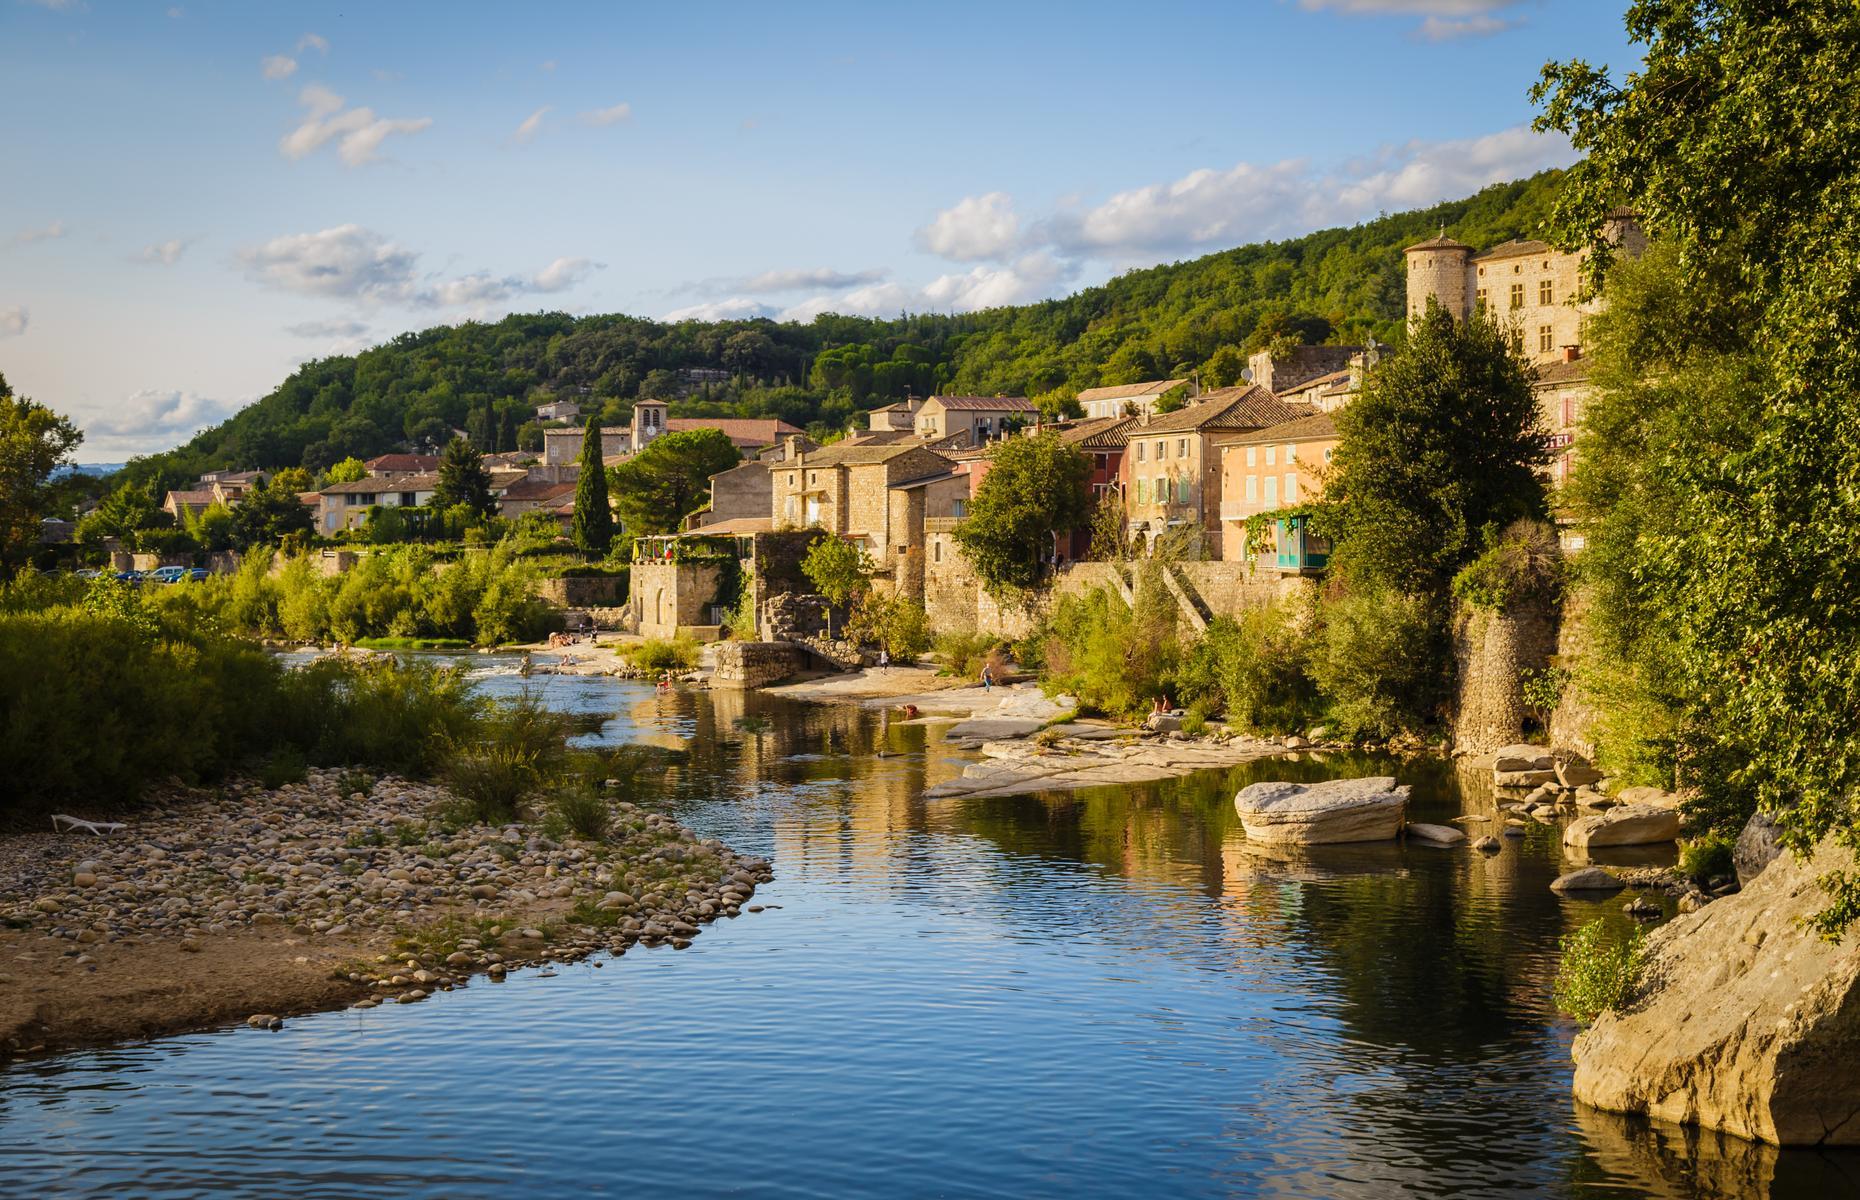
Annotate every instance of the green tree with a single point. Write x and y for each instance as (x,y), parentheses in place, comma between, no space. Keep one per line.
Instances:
(348,470)
(1034,491)
(123,514)
(594,516)
(1223,368)
(657,488)
(1442,445)
(34,442)
(839,570)
(293,479)
(1733,141)
(268,514)
(464,479)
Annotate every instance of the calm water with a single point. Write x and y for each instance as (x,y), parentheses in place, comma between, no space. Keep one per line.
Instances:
(1101,993)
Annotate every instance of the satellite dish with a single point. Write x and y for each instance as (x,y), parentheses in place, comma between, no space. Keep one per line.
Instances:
(1246,373)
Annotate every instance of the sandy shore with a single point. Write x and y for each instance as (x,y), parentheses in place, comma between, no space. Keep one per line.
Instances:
(216,908)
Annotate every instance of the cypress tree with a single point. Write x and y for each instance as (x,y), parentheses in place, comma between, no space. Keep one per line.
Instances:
(594,519)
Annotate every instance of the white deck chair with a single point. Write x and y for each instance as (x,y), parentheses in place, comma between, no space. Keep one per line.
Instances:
(63,824)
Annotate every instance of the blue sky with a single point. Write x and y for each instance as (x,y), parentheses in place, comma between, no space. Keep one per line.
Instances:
(200,196)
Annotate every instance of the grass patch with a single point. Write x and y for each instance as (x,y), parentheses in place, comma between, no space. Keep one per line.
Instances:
(413,643)
(1707,858)
(658,654)
(1597,972)
(285,765)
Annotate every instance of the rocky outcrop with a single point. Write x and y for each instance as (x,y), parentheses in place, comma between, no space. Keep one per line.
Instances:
(1623,825)
(1658,797)
(1745,1020)
(1522,757)
(1757,847)
(1336,810)
(1589,879)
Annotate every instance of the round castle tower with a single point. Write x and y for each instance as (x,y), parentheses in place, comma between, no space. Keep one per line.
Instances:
(1441,268)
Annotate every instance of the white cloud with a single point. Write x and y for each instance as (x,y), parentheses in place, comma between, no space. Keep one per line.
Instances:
(608,116)
(154,411)
(359,130)
(735,308)
(1445,20)
(1447,29)
(13,321)
(1029,277)
(549,65)
(562,274)
(166,253)
(313,41)
(796,279)
(531,124)
(978,227)
(336,328)
(278,66)
(349,262)
(49,233)
(346,262)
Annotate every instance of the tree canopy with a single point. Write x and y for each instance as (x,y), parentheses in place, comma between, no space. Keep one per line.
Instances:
(1733,141)
(34,442)
(1034,490)
(464,479)
(656,489)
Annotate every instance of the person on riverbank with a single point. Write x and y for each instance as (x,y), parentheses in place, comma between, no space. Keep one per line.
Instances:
(988,678)
(884,660)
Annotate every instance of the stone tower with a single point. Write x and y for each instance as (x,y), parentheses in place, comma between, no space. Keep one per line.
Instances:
(648,421)
(1441,268)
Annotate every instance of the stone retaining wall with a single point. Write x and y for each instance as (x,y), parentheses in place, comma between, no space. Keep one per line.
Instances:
(583,591)
(755,664)
(1492,652)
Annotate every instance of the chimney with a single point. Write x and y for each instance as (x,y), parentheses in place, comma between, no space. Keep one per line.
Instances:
(791,447)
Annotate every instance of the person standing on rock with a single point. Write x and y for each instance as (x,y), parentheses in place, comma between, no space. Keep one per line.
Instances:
(988,678)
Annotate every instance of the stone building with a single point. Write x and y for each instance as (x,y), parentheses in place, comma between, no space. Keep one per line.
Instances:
(1289,369)
(1126,398)
(875,495)
(750,436)
(976,419)
(1170,473)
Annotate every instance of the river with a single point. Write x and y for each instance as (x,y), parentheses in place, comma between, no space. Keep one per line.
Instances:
(1101,993)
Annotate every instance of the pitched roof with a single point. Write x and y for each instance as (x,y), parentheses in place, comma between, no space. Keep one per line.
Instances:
(1127,391)
(537,489)
(179,498)
(856,454)
(926,480)
(985,403)
(881,437)
(1097,432)
(1443,242)
(424,482)
(744,431)
(1514,248)
(1247,407)
(734,527)
(1555,373)
(1301,429)
(408,463)
(1315,381)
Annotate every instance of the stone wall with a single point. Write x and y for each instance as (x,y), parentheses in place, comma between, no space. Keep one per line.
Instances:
(755,664)
(1573,724)
(1492,651)
(668,595)
(583,591)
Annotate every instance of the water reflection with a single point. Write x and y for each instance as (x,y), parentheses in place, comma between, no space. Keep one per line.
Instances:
(1108,992)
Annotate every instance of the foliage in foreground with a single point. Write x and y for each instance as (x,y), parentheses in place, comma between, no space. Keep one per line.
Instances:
(1598,970)
(1033,492)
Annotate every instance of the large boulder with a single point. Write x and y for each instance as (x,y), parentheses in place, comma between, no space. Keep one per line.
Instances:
(1574,771)
(1757,847)
(1523,758)
(1623,825)
(1658,797)
(1336,810)
(1439,835)
(1744,1020)
(1588,879)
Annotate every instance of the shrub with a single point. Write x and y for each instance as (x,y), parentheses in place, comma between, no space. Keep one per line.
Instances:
(1114,660)
(963,655)
(516,748)
(1522,565)
(1597,973)
(657,654)
(899,626)
(582,811)
(286,765)
(1256,667)
(1706,858)
(1378,663)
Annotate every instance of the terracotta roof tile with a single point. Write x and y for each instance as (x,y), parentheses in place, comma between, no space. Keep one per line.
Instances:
(1248,407)
(1126,391)
(985,403)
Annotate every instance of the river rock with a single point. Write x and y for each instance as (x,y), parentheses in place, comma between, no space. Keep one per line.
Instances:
(1589,879)
(1756,847)
(1657,797)
(1336,810)
(1745,1020)
(1626,825)
(1523,779)
(1573,770)
(1488,844)
(1439,835)
(1520,757)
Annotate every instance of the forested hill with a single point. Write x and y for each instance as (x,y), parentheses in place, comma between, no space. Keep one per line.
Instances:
(1338,285)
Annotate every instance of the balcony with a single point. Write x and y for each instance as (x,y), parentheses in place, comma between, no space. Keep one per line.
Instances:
(1299,552)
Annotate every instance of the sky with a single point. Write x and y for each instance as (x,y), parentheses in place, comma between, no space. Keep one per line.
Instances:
(200,196)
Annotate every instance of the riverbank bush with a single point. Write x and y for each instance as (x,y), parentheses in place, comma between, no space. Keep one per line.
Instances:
(1597,971)
(660,654)
(900,627)
(1114,660)
(1256,668)
(963,655)
(1378,664)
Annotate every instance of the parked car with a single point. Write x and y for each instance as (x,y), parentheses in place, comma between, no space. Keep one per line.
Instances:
(166,574)
(132,578)
(194,575)
(87,573)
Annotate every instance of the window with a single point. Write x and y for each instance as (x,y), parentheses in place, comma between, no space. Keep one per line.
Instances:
(813,477)
(1104,461)
(958,508)
(1546,292)
(1272,455)
(789,510)
(1272,491)
(1291,455)
(1327,455)
(407,500)
(1162,451)
(792,478)
(1140,487)
(1252,456)
(1181,447)
(1479,298)
(1482,272)
(1139,451)
(1517,295)
(936,551)
(1546,341)
(1252,489)
(1291,487)
(1181,490)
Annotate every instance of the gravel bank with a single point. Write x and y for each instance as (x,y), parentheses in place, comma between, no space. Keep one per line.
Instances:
(215,908)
